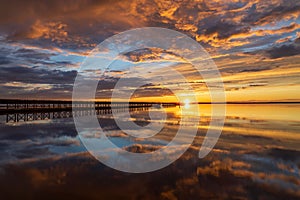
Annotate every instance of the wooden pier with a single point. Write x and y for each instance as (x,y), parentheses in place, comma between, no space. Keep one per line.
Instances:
(10,106)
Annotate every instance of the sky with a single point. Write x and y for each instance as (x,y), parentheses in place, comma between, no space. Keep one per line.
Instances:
(254,43)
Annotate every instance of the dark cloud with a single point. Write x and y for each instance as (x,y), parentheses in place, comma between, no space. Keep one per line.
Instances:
(279,10)
(36,75)
(254,69)
(141,55)
(284,154)
(76,24)
(36,92)
(4,60)
(224,30)
(86,23)
(283,51)
(32,54)
(14,54)
(20,11)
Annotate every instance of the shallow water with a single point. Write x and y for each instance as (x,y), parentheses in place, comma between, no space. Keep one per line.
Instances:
(256,157)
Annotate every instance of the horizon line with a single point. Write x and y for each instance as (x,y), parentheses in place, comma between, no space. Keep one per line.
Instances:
(107,101)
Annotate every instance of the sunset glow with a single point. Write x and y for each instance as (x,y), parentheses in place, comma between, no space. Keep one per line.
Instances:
(255,50)
(150,99)
(186,104)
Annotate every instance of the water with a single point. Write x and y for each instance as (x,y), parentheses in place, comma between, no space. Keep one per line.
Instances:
(256,157)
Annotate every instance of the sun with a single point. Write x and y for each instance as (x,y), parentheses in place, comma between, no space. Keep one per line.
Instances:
(186,103)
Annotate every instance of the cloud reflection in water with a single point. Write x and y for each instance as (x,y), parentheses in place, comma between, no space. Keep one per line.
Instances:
(257,157)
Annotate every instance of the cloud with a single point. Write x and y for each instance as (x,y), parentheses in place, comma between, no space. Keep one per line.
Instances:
(285,47)
(283,51)
(138,148)
(268,12)
(18,82)
(47,30)
(55,34)
(80,24)
(86,23)
(36,75)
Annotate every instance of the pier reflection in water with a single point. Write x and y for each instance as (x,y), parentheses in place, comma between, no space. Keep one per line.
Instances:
(33,116)
(256,157)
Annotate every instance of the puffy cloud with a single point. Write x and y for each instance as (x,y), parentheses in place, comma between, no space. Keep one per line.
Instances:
(211,22)
(57,28)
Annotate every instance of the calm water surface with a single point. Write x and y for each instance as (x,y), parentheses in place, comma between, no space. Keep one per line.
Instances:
(256,157)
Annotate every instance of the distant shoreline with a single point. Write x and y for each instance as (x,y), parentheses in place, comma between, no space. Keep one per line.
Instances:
(35,101)
(251,103)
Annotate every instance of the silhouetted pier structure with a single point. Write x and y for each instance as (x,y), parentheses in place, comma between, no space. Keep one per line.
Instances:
(29,110)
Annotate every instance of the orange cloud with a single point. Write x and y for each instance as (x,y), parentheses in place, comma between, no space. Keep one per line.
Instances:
(50,30)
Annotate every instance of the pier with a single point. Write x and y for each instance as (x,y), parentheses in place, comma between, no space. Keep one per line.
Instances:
(19,106)
(30,110)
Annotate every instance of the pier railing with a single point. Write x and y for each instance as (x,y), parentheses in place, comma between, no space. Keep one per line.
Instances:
(8,106)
